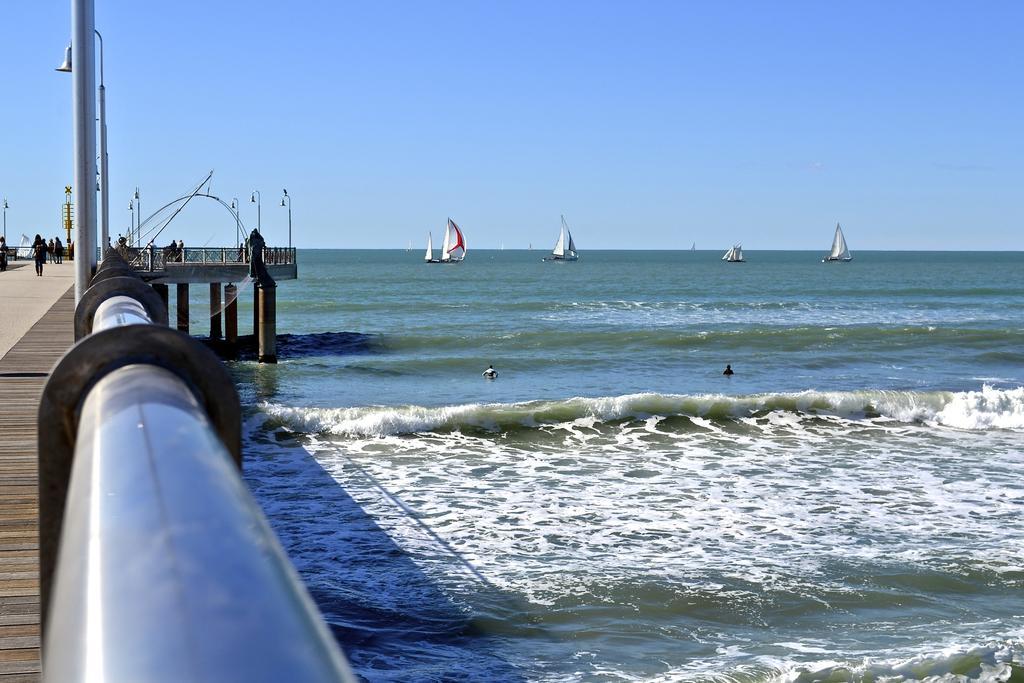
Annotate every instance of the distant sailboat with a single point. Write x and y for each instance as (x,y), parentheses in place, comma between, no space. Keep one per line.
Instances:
(454,248)
(734,255)
(840,252)
(693,247)
(565,247)
(429,258)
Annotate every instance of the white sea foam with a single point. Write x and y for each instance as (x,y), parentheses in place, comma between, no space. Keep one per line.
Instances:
(989,408)
(757,511)
(985,409)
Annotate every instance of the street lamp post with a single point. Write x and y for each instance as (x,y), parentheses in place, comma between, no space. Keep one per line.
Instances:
(6,206)
(257,199)
(289,215)
(131,228)
(104,185)
(104,174)
(83,52)
(238,222)
(138,224)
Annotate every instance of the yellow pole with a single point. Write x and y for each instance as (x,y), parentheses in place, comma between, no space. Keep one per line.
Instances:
(67,212)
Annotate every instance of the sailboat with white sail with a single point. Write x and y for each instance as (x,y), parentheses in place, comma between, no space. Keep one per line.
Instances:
(565,247)
(734,255)
(429,258)
(840,252)
(454,248)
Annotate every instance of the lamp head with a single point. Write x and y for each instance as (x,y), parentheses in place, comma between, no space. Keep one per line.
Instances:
(285,192)
(282,200)
(6,206)
(66,66)
(252,199)
(136,193)
(233,204)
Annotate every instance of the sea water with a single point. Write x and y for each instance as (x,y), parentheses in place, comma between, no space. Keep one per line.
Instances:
(848,505)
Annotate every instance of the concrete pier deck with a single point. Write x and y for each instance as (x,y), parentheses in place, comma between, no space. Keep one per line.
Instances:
(36,328)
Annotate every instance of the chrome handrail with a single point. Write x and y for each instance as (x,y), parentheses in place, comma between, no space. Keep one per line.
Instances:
(167,569)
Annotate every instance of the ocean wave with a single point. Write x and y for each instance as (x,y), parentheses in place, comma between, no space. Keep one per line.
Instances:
(989,663)
(988,408)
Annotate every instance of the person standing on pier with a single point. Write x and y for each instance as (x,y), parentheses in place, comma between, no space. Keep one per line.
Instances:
(39,252)
(58,250)
(3,253)
(256,244)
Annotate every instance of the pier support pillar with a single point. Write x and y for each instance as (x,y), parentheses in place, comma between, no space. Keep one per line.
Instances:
(255,310)
(231,314)
(215,314)
(164,294)
(183,307)
(268,324)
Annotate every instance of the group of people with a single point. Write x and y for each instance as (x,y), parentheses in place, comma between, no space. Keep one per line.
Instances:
(43,252)
(175,252)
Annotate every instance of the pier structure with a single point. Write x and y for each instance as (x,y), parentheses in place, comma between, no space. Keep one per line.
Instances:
(221,269)
(129,544)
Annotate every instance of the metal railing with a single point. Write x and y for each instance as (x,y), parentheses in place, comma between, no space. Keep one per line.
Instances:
(152,259)
(166,569)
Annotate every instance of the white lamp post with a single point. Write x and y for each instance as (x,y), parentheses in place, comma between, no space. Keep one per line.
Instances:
(257,199)
(6,206)
(289,215)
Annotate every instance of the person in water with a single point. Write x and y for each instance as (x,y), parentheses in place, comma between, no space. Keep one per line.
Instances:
(728,371)
(490,372)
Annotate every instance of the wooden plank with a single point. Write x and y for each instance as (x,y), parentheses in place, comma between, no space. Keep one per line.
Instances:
(23,372)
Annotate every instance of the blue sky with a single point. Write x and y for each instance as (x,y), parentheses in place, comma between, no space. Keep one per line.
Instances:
(648,124)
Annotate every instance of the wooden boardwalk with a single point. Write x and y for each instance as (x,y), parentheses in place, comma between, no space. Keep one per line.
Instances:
(23,372)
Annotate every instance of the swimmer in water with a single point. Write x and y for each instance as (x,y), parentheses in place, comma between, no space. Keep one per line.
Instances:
(490,372)
(728,371)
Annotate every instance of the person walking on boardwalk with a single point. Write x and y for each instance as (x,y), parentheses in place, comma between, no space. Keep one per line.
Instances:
(58,250)
(3,253)
(39,252)
(51,251)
